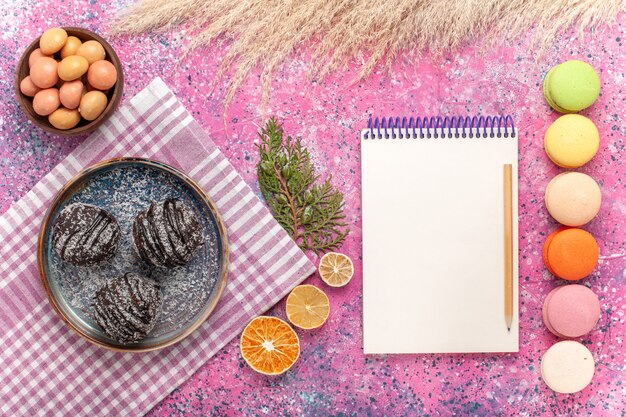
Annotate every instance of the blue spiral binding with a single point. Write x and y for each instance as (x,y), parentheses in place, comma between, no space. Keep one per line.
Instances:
(440,127)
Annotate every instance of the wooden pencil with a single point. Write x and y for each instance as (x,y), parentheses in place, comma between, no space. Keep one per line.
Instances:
(508,245)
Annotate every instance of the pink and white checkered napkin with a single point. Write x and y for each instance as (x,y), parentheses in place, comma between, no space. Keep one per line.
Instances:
(45,368)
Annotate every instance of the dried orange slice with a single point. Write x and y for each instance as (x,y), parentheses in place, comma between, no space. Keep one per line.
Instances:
(336,269)
(307,307)
(269,345)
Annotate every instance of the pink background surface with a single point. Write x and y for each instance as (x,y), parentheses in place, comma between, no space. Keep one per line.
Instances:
(333,377)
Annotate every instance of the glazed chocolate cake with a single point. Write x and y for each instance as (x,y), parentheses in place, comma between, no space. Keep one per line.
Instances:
(167,234)
(127,307)
(85,235)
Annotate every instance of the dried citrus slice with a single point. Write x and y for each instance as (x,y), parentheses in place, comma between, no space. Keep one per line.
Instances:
(269,345)
(307,307)
(336,269)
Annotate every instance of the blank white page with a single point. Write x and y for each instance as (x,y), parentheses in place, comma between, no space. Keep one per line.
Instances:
(433,245)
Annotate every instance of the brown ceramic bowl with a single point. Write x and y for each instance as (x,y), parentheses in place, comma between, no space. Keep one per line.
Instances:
(84,126)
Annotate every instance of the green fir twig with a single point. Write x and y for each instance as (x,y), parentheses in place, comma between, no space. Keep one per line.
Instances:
(311,212)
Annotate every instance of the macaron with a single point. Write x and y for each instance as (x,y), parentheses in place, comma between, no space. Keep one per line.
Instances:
(567,367)
(544,311)
(571,311)
(571,253)
(571,86)
(573,198)
(571,141)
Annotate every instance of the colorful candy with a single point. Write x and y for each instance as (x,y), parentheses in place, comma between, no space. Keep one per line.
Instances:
(52,40)
(70,93)
(73,67)
(44,73)
(92,104)
(102,75)
(28,88)
(71,47)
(92,51)
(61,69)
(64,119)
(46,101)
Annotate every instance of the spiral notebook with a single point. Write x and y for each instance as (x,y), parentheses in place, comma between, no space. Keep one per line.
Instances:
(433,235)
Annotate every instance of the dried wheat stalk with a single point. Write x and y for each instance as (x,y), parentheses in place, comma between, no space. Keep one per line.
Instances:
(265,32)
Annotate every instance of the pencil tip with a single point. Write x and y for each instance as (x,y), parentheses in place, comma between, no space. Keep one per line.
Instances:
(509,329)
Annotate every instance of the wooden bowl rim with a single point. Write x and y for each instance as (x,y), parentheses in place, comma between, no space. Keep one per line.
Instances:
(26,102)
(220,285)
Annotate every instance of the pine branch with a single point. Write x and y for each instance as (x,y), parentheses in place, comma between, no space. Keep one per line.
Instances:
(311,213)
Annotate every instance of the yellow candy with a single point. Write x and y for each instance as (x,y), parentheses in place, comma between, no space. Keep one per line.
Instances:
(64,119)
(72,67)
(71,46)
(92,105)
(52,40)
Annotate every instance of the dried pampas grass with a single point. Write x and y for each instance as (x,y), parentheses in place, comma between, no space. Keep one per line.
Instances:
(266,32)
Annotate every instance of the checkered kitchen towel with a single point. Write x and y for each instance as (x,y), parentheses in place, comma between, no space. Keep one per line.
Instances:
(45,369)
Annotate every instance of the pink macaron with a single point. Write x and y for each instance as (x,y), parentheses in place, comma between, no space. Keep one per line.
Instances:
(571,311)
(544,311)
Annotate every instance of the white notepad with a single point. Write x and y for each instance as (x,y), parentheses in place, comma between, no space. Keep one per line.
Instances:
(433,235)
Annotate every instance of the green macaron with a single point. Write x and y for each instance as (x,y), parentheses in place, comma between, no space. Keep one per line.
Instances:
(571,86)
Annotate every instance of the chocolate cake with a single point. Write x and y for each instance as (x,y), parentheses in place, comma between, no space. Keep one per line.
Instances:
(127,307)
(85,235)
(167,234)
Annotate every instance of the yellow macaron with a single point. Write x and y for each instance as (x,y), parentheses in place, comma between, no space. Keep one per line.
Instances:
(571,141)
